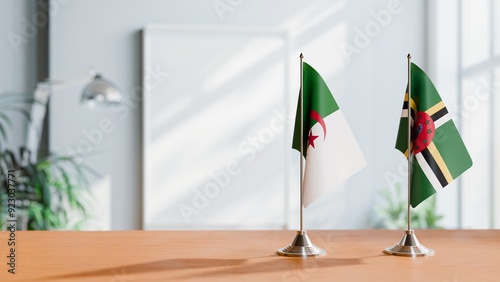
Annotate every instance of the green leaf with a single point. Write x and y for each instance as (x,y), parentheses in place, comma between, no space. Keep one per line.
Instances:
(391,210)
(56,186)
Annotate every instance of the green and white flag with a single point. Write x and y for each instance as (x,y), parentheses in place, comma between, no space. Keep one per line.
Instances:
(438,154)
(330,149)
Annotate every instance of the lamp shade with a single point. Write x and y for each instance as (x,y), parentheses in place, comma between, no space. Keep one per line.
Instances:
(102,91)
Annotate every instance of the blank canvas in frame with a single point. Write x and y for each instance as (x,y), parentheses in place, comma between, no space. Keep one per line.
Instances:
(214,145)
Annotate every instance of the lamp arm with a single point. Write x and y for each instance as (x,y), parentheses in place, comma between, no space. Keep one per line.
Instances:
(98,88)
(58,83)
(38,111)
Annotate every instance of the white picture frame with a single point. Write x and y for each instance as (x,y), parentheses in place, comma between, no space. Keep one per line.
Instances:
(216,127)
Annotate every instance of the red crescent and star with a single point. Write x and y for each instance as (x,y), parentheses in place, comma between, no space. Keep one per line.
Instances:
(317,117)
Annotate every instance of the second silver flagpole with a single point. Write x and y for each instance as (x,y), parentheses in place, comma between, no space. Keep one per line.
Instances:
(409,140)
(301,245)
(409,245)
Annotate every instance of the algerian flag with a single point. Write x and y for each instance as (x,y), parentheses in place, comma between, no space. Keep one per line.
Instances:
(331,151)
(438,154)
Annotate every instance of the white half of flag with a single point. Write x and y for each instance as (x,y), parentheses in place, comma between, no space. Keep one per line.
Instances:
(333,159)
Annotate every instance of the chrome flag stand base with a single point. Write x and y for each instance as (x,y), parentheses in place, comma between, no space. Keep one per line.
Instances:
(409,247)
(301,247)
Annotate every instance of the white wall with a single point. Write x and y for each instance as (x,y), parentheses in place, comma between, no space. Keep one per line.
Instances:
(18,57)
(467,90)
(369,86)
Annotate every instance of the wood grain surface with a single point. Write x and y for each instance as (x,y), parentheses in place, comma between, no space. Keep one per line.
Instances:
(461,255)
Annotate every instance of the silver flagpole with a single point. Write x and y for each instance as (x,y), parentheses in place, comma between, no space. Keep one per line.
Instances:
(409,245)
(409,140)
(301,245)
(301,141)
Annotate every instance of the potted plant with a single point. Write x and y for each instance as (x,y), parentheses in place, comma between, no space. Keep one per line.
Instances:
(51,193)
(392,211)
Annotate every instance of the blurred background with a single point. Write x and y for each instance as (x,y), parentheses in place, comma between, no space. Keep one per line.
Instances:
(201,135)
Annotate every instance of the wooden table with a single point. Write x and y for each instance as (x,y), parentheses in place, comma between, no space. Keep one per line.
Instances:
(462,255)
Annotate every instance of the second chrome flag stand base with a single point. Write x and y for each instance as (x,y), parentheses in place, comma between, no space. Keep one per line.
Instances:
(409,247)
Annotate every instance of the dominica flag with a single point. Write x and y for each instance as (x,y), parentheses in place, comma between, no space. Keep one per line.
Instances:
(438,154)
(331,152)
